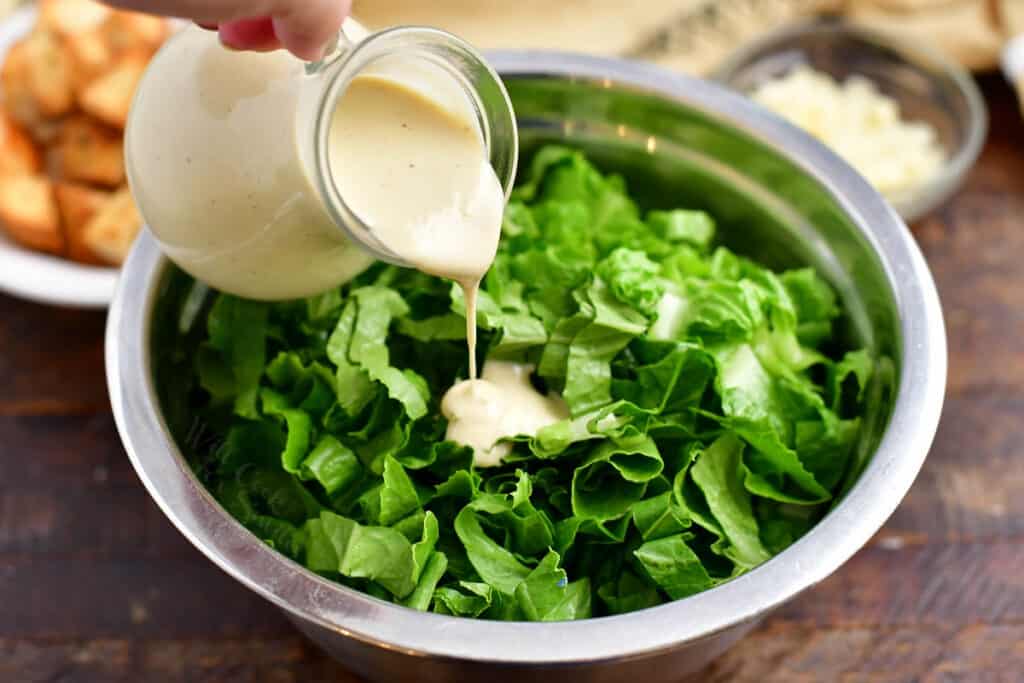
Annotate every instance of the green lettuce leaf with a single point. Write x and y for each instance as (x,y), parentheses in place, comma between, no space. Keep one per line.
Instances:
(632,278)
(659,516)
(613,478)
(398,497)
(423,595)
(578,357)
(473,601)
(238,331)
(385,556)
(546,594)
(716,411)
(674,567)
(333,464)
(497,566)
(299,428)
(692,227)
(359,342)
(718,472)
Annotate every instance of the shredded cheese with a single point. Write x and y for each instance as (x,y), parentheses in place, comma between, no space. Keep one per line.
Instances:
(861,124)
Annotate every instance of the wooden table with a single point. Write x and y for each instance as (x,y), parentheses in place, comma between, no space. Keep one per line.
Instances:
(95,584)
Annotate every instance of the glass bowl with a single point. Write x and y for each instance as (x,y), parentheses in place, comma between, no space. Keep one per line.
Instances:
(928,87)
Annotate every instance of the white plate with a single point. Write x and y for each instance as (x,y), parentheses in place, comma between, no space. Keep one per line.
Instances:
(39,277)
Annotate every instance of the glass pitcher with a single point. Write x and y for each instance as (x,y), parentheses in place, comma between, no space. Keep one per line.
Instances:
(227,152)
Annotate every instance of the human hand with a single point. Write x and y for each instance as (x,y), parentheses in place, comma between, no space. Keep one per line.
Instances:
(303,27)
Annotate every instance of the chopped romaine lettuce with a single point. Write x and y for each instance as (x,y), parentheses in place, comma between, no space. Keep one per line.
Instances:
(714,414)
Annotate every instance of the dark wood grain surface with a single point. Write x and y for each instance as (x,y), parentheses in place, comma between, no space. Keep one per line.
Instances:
(95,584)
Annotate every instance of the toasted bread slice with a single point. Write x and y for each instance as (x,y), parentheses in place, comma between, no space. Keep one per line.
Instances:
(71,17)
(109,97)
(90,152)
(14,82)
(112,231)
(78,205)
(45,132)
(18,154)
(28,212)
(134,33)
(91,57)
(49,74)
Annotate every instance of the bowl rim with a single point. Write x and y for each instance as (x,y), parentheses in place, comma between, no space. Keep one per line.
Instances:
(915,204)
(345,611)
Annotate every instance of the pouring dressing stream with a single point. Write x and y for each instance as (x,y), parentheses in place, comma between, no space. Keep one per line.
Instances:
(434,199)
(273,179)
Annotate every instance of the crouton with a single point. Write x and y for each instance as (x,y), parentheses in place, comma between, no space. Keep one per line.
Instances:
(134,33)
(49,74)
(14,81)
(109,97)
(65,94)
(18,154)
(112,231)
(78,204)
(28,212)
(70,17)
(89,152)
(91,57)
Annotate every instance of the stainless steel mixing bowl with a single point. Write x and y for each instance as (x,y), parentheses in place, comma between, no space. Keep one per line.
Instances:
(778,195)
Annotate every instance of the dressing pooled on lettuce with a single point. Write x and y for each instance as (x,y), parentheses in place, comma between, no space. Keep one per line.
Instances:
(705,426)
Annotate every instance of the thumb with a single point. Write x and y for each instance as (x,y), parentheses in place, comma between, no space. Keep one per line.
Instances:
(304,27)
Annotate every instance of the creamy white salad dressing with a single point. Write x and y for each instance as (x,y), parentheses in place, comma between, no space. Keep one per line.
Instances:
(433,199)
(219,174)
(500,405)
(213,158)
